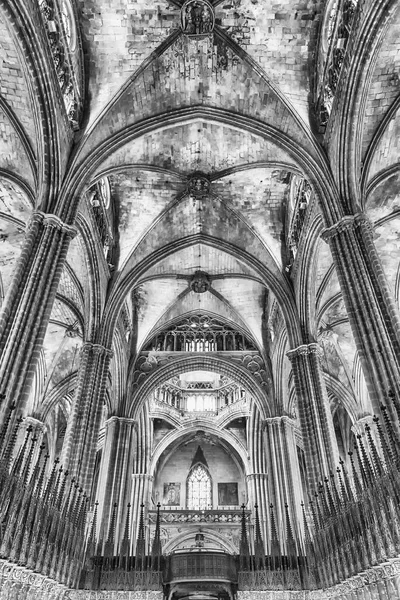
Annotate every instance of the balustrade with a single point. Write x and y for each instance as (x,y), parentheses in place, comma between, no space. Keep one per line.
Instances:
(212,400)
(179,515)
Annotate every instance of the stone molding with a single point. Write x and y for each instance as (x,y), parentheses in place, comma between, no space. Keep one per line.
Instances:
(346,223)
(278,420)
(359,426)
(305,350)
(97,349)
(36,424)
(50,220)
(125,420)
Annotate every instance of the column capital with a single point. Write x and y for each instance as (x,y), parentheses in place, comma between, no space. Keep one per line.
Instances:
(358,428)
(50,220)
(124,420)
(97,349)
(304,350)
(250,476)
(346,223)
(278,420)
(144,476)
(35,423)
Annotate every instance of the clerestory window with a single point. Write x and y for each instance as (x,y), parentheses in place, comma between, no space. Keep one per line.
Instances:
(199,489)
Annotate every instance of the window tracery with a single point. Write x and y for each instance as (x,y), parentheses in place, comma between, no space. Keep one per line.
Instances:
(199,333)
(199,488)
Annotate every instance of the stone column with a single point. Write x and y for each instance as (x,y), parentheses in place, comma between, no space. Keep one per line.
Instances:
(28,303)
(115,477)
(284,481)
(370,306)
(320,446)
(79,450)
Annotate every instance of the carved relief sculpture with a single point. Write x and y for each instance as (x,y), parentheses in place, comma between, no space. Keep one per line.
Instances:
(197,18)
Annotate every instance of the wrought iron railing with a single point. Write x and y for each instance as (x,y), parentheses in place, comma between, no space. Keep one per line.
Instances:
(199,565)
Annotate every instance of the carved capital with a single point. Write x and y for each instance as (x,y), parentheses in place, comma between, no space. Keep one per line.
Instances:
(345,224)
(36,424)
(50,220)
(251,476)
(124,420)
(358,427)
(281,420)
(97,349)
(304,350)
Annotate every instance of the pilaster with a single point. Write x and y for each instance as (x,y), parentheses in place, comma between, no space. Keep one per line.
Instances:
(320,446)
(27,306)
(372,311)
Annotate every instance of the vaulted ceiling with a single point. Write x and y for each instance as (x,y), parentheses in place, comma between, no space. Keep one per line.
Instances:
(235,109)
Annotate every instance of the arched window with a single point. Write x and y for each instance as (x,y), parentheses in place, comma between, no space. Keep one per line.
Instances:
(199,488)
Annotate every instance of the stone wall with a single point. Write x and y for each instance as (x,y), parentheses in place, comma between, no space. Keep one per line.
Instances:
(221,467)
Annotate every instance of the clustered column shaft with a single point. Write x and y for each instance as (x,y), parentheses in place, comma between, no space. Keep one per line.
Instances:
(116,468)
(27,307)
(320,446)
(283,467)
(80,444)
(373,316)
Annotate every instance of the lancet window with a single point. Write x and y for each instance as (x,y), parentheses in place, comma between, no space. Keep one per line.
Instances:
(199,488)
(200,333)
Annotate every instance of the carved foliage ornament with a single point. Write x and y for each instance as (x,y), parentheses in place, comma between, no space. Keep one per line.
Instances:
(197,18)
